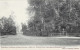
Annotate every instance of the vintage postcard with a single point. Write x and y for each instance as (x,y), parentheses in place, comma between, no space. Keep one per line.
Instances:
(40,24)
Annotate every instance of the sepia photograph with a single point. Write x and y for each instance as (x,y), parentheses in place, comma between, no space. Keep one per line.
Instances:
(40,22)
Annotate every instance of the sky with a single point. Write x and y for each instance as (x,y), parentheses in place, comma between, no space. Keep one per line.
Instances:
(16,8)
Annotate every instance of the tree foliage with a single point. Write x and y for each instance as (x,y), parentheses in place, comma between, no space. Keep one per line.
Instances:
(54,15)
(7,26)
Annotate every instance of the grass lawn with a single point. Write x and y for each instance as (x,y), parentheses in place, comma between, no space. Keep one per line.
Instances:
(30,40)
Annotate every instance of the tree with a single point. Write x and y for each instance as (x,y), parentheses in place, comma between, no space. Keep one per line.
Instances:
(8,27)
(56,14)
